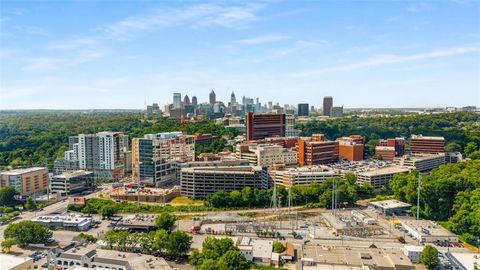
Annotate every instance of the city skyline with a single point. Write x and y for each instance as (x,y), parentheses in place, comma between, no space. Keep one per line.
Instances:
(361,53)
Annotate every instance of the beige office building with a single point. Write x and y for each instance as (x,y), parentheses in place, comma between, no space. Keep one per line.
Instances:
(26,181)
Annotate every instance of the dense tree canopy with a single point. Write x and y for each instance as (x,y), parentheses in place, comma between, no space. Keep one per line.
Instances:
(450,192)
(7,196)
(219,254)
(28,138)
(26,232)
(459,128)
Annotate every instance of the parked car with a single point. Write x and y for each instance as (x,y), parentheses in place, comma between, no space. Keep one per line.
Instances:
(299,237)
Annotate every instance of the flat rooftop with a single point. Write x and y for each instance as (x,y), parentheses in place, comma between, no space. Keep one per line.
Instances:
(467,259)
(390,204)
(385,171)
(12,261)
(434,228)
(137,261)
(67,218)
(385,148)
(428,137)
(70,174)
(22,171)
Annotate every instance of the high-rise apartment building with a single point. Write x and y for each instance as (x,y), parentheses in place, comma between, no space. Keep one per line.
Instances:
(427,144)
(317,151)
(177,101)
(264,125)
(102,153)
(212,98)
(303,109)
(327,106)
(351,148)
(25,181)
(155,157)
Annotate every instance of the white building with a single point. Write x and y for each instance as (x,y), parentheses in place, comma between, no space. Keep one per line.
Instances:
(266,154)
(427,231)
(66,221)
(421,162)
(464,261)
(379,177)
(413,252)
(290,130)
(13,262)
(289,177)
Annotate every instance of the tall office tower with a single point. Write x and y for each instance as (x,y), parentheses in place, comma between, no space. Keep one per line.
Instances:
(317,151)
(233,100)
(264,125)
(270,105)
(186,100)
(212,98)
(312,109)
(327,106)
(428,145)
(103,153)
(351,148)
(194,101)
(290,130)
(177,100)
(303,109)
(156,156)
(257,101)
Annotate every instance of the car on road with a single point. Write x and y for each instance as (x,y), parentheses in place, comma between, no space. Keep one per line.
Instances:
(299,237)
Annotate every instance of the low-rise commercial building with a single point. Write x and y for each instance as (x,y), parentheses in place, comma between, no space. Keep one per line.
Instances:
(464,261)
(379,177)
(316,258)
(71,182)
(14,262)
(92,257)
(266,154)
(413,252)
(289,177)
(391,207)
(199,182)
(398,143)
(421,162)
(427,231)
(65,221)
(26,181)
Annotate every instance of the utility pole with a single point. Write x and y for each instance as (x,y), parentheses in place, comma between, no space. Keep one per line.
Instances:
(418,194)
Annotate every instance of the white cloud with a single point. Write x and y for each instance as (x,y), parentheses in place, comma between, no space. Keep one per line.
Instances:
(421,6)
(196,16)
(49,63)
(382,60)
(262,39)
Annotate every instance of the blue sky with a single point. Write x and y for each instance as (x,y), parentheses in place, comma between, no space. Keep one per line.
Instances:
(116,54)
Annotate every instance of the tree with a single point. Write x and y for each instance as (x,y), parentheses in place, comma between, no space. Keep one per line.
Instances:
(213,250)
(165,221)
(453,147)
(209,264)
(429,257)
(7,196)
(160,240)
(108,211)
(30,204)
(279,247)
(178,243)
(90,238)
(233,260)
(470,148)
(26,232)
(7,244)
